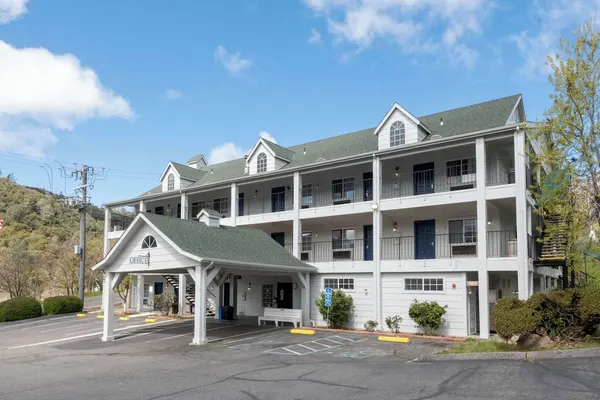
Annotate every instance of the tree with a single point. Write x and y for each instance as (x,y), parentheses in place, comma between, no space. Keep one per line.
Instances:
(124,290)
(20,273)
(569,140)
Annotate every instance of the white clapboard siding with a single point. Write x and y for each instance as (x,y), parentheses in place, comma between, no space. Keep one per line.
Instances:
(396,301)
(272,165)
(410,130)
(165,181)
(364,304)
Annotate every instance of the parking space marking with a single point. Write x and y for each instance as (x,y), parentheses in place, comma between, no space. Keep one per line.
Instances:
(295,349)
(41,322)
(292,351)
(306,347)
(333,341)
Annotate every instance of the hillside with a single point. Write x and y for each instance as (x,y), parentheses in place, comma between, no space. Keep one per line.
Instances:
(37,240)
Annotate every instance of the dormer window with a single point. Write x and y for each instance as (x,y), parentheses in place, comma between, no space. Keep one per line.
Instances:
(171,182)
(261,163)
(149,242)
(397,136)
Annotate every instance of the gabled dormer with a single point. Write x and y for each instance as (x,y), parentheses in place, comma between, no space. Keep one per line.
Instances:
(267,156)
(177,176)
(399,128)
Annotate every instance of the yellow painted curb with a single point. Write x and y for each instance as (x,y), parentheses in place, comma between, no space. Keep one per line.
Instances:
(81,315)
(394,339)
(302,331)
(150,320)
(124,318)
(99,316)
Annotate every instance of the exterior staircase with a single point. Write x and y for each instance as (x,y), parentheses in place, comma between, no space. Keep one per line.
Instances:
(554,249)
(190,292)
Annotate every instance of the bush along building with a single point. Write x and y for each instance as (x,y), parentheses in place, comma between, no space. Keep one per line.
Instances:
(429,208)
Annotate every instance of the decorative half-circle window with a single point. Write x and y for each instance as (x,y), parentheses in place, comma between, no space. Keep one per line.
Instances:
(171,182)
(261,163)
(148,242)
(397,134)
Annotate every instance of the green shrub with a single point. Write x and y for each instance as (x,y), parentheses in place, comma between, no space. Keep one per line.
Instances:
(427,315)
(393,323)
(341,308)
(511,317)
(371,325)
(589,308)
(164,301)
(62,305)
(20,308)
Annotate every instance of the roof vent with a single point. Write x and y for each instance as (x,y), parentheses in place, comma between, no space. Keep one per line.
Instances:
(436,136)
(209,218)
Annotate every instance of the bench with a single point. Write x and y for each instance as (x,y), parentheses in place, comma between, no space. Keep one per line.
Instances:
(278,315)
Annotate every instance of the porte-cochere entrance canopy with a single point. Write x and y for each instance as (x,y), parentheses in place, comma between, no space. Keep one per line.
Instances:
(206,250)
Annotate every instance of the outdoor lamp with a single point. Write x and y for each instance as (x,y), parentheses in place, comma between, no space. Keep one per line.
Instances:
(395,226)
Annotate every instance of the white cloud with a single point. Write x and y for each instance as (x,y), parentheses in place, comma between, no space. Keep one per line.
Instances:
(267,135)
(12,9)
(225,152)
(25,139)
(172,94)
(315,37)
(555,18)
(43,91)
(232,62)
(409,23)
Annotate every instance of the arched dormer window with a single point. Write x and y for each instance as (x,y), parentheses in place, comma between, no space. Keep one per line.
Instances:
(149,242)
(397,136)
(171,182)
(261,163)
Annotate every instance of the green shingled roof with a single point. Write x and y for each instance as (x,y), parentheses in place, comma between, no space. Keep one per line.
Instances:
(189,173)
(244,245)
(481,116)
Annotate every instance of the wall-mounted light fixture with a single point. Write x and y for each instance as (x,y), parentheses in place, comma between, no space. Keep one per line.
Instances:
(441,121)
(317,234)
(397,171)
(255,193)
(395,226)
(249,286)
(366,291)
(304,151)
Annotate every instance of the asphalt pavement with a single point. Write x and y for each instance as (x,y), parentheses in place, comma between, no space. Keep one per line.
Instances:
(251,362)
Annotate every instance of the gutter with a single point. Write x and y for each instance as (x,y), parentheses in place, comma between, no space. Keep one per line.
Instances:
(308,268)
(330,163)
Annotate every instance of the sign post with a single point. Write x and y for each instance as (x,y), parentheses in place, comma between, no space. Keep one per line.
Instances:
(328,293)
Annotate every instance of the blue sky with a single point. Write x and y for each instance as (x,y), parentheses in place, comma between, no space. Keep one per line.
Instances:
(130,85)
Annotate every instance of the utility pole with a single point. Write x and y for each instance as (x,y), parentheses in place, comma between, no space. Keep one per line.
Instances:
(84,176)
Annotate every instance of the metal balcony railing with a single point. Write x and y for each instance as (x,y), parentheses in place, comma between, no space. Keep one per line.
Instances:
(500,171)
(502,243)
(275,202)
(349,191)
(450,178)
(336,250)
(424,247)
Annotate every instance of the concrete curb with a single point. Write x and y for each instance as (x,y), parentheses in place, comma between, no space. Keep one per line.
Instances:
(513,355)
(297,331)
(453,339)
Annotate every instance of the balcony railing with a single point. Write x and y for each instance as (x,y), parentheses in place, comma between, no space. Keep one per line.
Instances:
(337,193)
(289,247)
(337,250)
(424,247)
(450,178)
(502,243)
(275,202)
(500,171)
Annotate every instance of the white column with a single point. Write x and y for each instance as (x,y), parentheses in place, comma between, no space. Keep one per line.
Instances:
(108,305)
(482,273)
(234,203)
(305,299)
(184,206)
(140,293)
(297,224)
(377,229)
(107,228)
(521,214)
(142,206)
(181,294)
(200,306)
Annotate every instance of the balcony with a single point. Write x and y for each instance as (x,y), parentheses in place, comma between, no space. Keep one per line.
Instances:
(273,203)
(457,175)
(425,247)
(500,171)
(502,243)
(120,222)
(336,251)
(341,191)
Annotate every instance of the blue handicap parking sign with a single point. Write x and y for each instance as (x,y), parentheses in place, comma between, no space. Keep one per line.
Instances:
(328,292)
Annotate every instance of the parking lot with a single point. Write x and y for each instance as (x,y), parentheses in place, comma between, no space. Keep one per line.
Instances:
(64,358)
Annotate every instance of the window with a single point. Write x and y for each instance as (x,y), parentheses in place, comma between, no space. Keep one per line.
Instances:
(342,239)
(424,284)
(221,205)
(339,283)
(342,190)
(197,206)
(397,134)
(307,195)
(261,163)
(463,231)
(171,182)
(306,241)
(460,167)
(148,242)
(146,294)
(159,210)
(267,294)
(241,204)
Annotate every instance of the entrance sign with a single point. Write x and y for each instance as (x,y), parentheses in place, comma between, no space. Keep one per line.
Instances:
(142,259)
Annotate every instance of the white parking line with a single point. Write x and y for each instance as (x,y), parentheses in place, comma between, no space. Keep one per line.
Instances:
(40,321)
(286,350)
(306,347)
(331,340)
(292,351)
(242,334)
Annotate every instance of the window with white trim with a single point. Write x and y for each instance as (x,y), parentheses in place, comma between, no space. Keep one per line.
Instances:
(397,134)
(424,284)
(307,195)
(261,163)
(197,206)
(306,241)
(342,239)
(463,231)
(149,242)
(221,205)
(465,166)
(268,292)
(339,283)
(171,182)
